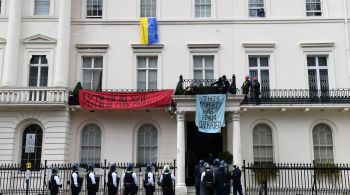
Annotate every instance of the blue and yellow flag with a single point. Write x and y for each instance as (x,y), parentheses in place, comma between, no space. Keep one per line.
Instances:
(149,31)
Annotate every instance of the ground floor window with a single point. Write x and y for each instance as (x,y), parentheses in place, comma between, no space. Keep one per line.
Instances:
(32,146)
(147,143)
(90,144)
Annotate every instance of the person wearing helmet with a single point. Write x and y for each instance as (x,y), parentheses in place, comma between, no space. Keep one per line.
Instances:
(197,176)
(166,180)
(215,169)
(129,180)
(112,180)
(54,182)
(91,184)
(227,179)
(75,180)
(208,180)
(236,177)
(221,181)
(149,180)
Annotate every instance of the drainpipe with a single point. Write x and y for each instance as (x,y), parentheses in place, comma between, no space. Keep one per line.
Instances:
(347,34)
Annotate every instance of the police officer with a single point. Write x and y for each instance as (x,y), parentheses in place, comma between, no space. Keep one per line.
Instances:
(129,180)
(208,180)
(149,180)
(236,177)
(74,185)
(227,180)
(197,176)
(166,180)
(55,182)
(112,180)
(215,169)
(91,181)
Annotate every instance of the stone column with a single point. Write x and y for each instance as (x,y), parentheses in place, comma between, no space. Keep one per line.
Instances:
(237,156)
(60,77)
(10,68)
(181,188)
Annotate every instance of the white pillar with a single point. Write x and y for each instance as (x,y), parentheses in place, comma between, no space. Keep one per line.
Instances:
(181,188)
(10,68)
(237,156)
(60,78)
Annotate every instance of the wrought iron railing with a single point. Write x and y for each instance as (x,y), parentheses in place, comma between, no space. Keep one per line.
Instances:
(296,178)
(33,95)
(12,177)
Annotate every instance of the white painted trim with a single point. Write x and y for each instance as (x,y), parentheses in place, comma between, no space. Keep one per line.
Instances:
(84,11)
(158,9)
(258,45)
(205,52)
(141,48)
(324,9)
(39,39)
(326,45)
(51,11)
(213,13)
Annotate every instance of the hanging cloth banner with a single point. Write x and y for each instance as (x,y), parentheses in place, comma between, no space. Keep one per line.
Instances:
(149,31)
(210,113)
(93,100)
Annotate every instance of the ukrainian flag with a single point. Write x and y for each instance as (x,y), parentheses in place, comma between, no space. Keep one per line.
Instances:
(149,31)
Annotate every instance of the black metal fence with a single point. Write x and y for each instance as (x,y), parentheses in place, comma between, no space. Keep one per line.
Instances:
(296,178)
(13,177)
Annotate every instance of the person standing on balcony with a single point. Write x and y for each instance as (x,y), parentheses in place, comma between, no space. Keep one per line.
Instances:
(55,182)
(75,180)
(166,181)
(236,177)
(256,91)
(149,180)
(91,184)
(112,180)
(245,89)
(129,180)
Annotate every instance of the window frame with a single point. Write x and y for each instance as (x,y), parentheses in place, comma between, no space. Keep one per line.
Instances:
(2,8)
(92,16)
(2,53)
(313,145)
(158,11)
(22,140)
(43,15)
(84,11)
(202,4)
(203,68)
(39,66)
(146,69)
(146,5)
(317,68)
(314,11)
(146,146)
(81,141)
(259,68)
(249,8)
(264,145)
(212,10)
(93,57)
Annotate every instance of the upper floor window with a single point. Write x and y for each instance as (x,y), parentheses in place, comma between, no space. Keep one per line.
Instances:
(147,72)
(203,8)
(313,8)
(259,68)
(90,144)
(148,8)
(256,8)
(322,143)
(147,144)
(0,7)
(262,144)
(94,8)
(318,75)
(203,68)
(92,72)
(38,71)
(41,7)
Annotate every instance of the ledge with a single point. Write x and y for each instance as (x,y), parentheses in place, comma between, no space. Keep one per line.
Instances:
(2,41)
(317,45)
(258,45)
(39,39)
(99,48)
(142,48)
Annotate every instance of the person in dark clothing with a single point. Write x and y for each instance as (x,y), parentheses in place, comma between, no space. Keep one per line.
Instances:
(226,83)
(91,184)
(166,180)
(245,89)
(227,179)
(220,85)
(215,168)
(261,12)
(76,181)
(197,176)
(55,182)
(113,182)
(256,91)
(220,181)
(236,177)
(129,180)
(149,180)
(208,180)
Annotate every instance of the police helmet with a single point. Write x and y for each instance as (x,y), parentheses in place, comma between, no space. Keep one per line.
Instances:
(149,167)
(216,161)
(113,167)
(75,167)
(91,167)
(222,162)
(54,170)
(130,167)
(206,165)
(222,167)
(166,168)
(201,162)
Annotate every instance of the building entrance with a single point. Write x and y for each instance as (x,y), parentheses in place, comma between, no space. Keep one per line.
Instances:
(199,147)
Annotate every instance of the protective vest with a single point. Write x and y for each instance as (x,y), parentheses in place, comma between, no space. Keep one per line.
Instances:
(167,181)
(128,178)
(72,181)
(89,184)
(53,185)
(208,177)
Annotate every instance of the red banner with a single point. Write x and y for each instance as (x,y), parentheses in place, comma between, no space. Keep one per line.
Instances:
(93,100)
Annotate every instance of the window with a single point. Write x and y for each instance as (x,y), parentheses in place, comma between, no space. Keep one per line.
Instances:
(94,9)
(313,8)
(147,144)
(262,144)
(203,8)
(42,7)
(90,144)
(0,7)
(148,8)
(323,143)
(203,67)
(256,8)
(259,68)
(318,75)
(92,72)
(38,71)
(32,146)
(147,72)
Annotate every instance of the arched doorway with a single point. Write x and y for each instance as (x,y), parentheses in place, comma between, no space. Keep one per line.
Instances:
(32,146)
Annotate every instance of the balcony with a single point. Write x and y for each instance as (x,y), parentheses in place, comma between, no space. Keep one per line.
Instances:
(38,96)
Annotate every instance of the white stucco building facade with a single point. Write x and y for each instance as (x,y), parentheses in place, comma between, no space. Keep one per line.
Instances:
(47,46)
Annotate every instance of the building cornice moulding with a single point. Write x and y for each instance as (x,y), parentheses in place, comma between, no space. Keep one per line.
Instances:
(203,47)
(2,41)
(259,45)
(317,45)
(39,39)
(92,48)
(141,48)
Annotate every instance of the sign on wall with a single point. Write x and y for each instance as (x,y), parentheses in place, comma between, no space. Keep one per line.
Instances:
(210,113)
(30,143)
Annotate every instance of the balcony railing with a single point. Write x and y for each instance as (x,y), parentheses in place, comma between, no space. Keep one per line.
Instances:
(33,96)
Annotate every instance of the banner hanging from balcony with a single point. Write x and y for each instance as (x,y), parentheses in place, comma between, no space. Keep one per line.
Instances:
(210,113)
(93,100)
(149,31)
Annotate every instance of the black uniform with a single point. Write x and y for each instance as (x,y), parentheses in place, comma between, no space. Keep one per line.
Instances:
(167,184)
(129,184)
(208,182)
(256,91)
(53,185)
(112,190)
(74,188)
(91,188)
